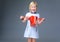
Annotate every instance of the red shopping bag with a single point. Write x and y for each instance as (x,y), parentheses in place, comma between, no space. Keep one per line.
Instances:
(33,20)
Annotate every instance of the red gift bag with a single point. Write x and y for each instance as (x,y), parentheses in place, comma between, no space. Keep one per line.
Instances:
(33,20)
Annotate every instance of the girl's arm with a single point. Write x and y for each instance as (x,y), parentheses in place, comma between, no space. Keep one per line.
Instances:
(23,18)
(40,21)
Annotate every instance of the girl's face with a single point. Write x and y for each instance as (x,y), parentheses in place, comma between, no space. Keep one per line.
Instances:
(33,8)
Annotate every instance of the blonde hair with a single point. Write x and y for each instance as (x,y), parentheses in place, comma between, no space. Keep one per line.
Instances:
(33,2)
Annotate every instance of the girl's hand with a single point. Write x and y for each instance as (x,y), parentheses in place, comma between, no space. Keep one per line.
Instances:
(22,17)
(40,21)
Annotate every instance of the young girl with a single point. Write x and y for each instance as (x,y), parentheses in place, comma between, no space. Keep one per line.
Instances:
(31,32)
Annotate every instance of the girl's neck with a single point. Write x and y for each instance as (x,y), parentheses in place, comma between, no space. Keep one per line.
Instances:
(33,12)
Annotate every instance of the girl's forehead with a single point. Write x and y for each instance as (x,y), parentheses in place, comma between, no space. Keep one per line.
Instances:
(32,5)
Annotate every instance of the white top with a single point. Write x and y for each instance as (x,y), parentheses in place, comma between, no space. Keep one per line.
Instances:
(31,32)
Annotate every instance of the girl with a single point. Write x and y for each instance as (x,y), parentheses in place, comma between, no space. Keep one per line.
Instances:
(31,32)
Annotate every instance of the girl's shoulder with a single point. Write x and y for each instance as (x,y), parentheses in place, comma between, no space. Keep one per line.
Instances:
(37,14)
(28,13)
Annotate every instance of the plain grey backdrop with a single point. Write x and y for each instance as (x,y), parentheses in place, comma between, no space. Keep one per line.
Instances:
(12,29)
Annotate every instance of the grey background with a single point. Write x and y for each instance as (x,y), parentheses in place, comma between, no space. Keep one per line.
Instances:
(12,29)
